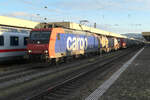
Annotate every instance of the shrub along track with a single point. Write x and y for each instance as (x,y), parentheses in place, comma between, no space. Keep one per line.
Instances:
(26,83)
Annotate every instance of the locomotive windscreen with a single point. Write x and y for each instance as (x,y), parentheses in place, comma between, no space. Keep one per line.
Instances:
(39,37)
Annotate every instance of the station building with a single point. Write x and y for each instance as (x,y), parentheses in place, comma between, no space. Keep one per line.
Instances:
(146,35)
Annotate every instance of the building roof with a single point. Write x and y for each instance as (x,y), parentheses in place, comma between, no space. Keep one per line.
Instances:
(80,27)
(14,22)
(146,35)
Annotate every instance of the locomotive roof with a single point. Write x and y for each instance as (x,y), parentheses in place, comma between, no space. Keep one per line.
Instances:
(14,22)
(75,26)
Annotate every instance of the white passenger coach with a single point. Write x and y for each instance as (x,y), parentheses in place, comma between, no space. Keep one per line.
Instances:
(13,37)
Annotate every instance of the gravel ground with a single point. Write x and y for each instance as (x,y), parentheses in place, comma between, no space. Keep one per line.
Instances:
(85,90)
(28,82)
(88,88)
(134,83)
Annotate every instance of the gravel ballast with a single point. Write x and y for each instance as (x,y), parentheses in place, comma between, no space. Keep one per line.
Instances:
(134,83)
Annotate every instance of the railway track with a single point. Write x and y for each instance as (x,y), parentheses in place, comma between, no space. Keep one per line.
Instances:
(62,90)
(24,68)
(10,80)
(18,83)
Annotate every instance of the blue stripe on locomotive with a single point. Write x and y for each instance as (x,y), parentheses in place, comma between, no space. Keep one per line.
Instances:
(70,42)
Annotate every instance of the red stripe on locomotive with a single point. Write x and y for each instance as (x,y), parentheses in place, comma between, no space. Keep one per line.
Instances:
(11,50)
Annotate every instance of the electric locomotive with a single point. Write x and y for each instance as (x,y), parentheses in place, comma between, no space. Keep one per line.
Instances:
(51,41)
(55,43)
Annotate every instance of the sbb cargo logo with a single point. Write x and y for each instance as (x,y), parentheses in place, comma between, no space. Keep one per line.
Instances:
(76,43)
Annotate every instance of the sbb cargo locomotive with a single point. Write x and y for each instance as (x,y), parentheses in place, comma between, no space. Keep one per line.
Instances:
(58,42)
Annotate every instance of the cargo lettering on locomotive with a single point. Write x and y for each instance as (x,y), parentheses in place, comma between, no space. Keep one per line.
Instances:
(76,43)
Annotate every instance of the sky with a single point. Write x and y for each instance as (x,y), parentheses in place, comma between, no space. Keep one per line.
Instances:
(119,16)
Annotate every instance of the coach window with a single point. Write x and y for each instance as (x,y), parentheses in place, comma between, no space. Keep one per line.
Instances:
(1,40)
(14,41)
(25,40)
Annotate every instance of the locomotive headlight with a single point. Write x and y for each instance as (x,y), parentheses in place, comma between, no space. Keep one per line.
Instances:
(46,51)
(29,51)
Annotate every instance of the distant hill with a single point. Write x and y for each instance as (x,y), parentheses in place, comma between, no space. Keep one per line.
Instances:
(134,35)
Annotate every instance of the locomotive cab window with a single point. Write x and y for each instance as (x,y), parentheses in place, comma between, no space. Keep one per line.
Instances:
(42,36)
(1,40)
(25,40)
(14,41)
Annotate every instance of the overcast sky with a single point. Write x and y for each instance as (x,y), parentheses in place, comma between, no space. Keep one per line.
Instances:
(120,16)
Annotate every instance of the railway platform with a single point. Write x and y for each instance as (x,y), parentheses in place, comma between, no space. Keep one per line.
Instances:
(130,82)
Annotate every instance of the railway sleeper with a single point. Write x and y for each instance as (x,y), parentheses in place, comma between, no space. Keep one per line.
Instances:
(59,91)
(56,95)
(48,98)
